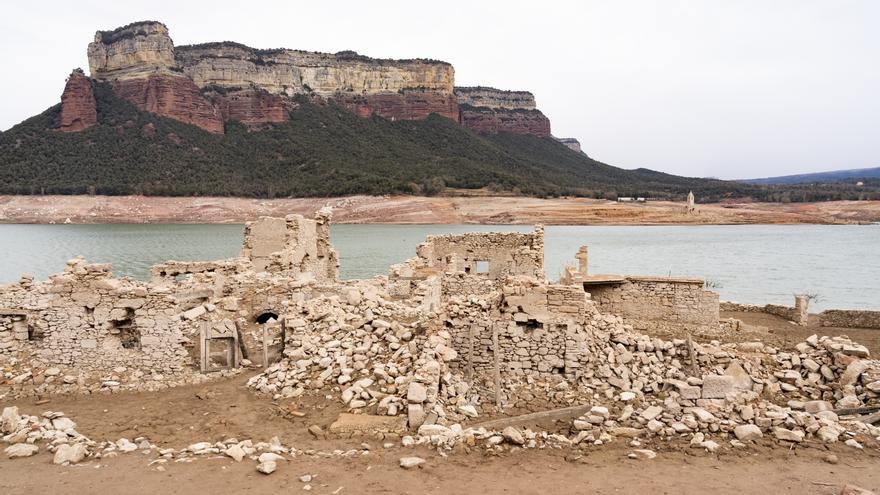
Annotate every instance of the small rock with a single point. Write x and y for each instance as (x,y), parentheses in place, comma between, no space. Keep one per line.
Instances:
(411,462)
(70,454)
(235,452)
(21,450)
(747,433)
(513,435)
(267,467)
(642,454)
(788,435)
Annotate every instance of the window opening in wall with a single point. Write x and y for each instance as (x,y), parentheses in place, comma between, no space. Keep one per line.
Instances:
(129,333)
(528,326)
(482,267)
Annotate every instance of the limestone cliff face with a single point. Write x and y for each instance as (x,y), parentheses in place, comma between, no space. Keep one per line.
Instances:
(495,98)
(292,72)
(78,110)
(208,84)
(175,97)
(490,111)
(394,89)
(135,51)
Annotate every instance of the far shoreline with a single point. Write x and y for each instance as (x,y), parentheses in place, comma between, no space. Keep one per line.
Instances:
(434,210)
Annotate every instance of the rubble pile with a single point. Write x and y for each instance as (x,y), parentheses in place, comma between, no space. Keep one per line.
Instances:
(381,357)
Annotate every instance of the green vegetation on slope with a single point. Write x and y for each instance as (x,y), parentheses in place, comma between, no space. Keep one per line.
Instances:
(321,151)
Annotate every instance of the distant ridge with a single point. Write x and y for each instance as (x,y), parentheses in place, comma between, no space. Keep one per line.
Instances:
(819,177)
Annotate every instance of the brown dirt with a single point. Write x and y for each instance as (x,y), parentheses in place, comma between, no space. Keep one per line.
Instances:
(781,332)
(225,408)
(412,209)
(601,470)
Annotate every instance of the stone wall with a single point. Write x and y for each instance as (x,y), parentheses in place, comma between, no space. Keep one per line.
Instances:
(850,318)
(494,255)
(660,303)
(293,245)
(89,323)
(796,314)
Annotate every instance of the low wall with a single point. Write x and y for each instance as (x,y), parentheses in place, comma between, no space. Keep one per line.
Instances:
(660,303)
(850,318)
(797,313)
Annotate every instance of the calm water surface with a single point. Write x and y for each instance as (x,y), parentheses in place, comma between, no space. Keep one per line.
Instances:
(749,263)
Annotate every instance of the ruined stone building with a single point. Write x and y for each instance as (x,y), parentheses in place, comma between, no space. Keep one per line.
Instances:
(468,321)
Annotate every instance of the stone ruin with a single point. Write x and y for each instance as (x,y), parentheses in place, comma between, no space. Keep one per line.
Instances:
(469,327)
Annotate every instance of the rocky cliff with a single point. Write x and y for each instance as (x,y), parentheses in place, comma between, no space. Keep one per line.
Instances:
(78,109)
(134,51)
(490,111)
(212,83)
(495,99)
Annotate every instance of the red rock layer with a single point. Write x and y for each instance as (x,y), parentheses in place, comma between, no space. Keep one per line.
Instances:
(410,105)
(175,97)
(252,107)
(78,110)
(488,121)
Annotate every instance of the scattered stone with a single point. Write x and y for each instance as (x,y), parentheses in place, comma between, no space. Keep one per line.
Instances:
(267,467)
(70,453)
(21,450)
(748,433)
(411,462)
(642,454)
(513,435)
(796,436)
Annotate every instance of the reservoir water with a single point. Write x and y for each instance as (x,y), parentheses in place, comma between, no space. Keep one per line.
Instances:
(746,263)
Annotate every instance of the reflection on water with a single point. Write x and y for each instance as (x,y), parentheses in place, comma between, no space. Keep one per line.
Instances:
(750,263)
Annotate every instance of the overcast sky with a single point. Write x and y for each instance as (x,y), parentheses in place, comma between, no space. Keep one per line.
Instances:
(723,88)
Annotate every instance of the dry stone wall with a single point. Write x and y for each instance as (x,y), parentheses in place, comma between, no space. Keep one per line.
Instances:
(850,318)
(660,304)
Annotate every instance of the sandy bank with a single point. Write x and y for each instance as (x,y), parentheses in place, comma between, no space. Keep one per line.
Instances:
(434,210)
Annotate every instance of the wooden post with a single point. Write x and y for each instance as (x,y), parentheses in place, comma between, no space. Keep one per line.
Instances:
(203,345)
(265,348)
(497,355)
(693,355)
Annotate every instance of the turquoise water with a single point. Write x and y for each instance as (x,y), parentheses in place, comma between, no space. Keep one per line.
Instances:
(748,263)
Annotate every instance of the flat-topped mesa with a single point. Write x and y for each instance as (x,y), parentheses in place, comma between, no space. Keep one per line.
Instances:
(212,83)
(394,89)
(292,72)
(481,96)
(490,111)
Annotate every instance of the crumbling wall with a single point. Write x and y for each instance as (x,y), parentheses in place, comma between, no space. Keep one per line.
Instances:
(492,254)
(660,303)
(526,329)
(797,313)
(293,245)
(850,318)
(89,324)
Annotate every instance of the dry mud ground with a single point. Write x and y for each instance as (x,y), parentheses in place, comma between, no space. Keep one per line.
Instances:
(413,209)
(225,408)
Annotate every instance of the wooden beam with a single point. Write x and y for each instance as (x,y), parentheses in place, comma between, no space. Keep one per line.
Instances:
(552,414)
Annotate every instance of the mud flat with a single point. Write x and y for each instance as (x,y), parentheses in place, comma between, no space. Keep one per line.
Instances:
(413,209)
